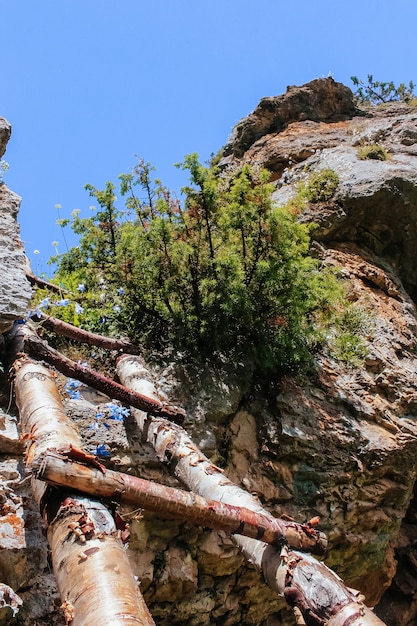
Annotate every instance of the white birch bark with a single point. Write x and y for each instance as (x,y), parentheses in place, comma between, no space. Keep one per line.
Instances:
(305,583)
(89,561)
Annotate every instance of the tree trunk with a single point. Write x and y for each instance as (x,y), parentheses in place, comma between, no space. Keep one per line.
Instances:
(39,349)
(83,336)
(89,561)
(57,468)
(305,583)
(44,284)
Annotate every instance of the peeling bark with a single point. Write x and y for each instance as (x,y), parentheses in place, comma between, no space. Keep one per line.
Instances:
(57,468)
(88,558)
(299,619)
(83,336)
(39,349)
(91,567)
(307,584)
(313,588)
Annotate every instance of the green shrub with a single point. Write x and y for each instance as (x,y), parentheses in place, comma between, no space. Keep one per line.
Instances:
(320,187)
(373,151)
(224,271)
(351,327)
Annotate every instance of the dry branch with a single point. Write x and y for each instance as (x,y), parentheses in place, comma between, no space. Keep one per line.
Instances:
(89,561)
(83,336)
(39,349)
(57,468)
(307,584)
(44,284)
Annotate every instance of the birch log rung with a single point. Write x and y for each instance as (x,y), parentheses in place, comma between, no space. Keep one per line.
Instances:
(65,329)
(39,349)
(56,468)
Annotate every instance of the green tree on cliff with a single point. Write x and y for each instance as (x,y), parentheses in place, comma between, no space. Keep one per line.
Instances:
(223,271)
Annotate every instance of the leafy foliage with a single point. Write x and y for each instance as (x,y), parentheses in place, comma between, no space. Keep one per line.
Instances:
(224,271)
(352,325)
(376,92)
(373,151)
(320,187)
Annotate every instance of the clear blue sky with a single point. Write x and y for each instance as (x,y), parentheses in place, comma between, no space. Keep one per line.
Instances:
(88,84)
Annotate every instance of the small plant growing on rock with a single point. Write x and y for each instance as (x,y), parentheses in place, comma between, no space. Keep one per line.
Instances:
(373,151)
(377,92)
(320,187)
(348,345)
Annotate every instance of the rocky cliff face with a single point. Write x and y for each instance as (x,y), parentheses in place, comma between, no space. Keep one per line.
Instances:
(22,550)
(340,443)
(15,291)
(348,439)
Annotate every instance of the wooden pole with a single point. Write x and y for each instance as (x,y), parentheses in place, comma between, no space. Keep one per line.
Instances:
(39,349)
(58,469)
(84,336)
(89,561)
(307,584)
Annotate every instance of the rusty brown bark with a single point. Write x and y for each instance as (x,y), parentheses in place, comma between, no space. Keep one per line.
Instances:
(44,284)
(89,561)
(57,468)
(39,349)
(83,336)
(307,584)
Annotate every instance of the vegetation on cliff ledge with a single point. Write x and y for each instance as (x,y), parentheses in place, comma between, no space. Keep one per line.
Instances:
(224,271)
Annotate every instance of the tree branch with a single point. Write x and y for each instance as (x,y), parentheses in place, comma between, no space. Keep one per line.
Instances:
(83,336)
(309,585)
(39,349)
(44,284)
(56,467)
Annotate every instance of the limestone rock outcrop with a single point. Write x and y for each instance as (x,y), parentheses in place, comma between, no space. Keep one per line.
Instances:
(5,132)
(321,100)
(347,446)
(15,291)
